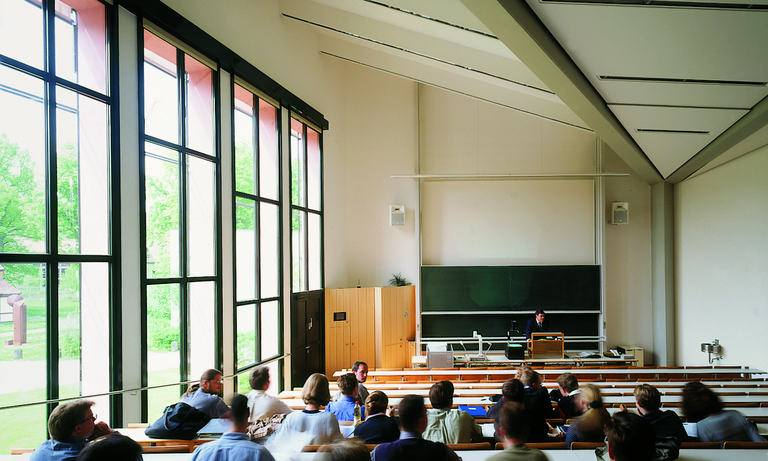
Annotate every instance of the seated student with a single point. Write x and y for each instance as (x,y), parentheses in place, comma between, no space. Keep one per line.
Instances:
(589,426)
(234,445)
(630,437)
(71,425)
(714,424)
(446,425)
(260,404)
(514,391)
(350,450)
(666,424)
(114,447)
(568,388)
(512,425)
(537,397)
(344,409)
(411,446)
(310,426)
(360,369)
(377,427)
(205,395)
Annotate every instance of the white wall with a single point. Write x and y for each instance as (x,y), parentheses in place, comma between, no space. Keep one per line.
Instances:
(721,258)
(502,222)
(629,313)
(380,140)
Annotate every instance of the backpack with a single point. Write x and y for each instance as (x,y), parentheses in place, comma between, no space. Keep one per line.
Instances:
(179,421)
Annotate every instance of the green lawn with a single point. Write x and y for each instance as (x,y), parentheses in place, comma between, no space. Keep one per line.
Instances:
(24,427)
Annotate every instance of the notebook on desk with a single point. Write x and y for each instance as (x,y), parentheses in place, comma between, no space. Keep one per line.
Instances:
(475,410)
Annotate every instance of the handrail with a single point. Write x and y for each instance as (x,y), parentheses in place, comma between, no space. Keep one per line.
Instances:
(137,389)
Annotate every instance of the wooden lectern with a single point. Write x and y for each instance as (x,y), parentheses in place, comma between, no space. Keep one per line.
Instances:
(542,348)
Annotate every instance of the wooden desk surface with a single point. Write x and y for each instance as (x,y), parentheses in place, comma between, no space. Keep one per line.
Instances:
(139,436)
(554,372)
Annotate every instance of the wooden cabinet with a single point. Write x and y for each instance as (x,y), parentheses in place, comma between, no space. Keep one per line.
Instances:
(369,324)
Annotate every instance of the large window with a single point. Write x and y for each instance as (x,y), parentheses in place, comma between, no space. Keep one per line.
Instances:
(181,219)
(306,208)
(56,196)
(257,231)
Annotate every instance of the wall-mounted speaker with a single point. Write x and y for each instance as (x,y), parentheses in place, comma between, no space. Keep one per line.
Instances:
(619,213)
(397,215)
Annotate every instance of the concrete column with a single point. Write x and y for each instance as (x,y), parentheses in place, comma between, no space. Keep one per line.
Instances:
(663,273)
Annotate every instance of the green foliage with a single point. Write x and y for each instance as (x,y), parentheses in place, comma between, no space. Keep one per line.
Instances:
(398,280)
(160,335)
(22,204)
(68,193)
(162,301)
(162,216)
(70,281)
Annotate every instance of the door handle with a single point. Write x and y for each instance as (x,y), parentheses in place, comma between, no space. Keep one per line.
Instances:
(310,323)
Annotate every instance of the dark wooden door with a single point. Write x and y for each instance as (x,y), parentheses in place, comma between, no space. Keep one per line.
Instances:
(307,336)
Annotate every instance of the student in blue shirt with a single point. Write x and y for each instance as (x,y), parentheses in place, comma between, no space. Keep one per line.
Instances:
(344,409)
(72,425)
(205,395)
(235,444)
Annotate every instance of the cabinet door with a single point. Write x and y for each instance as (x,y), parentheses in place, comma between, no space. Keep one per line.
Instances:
(393,356)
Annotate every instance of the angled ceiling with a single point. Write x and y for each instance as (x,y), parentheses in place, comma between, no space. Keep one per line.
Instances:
(671,86)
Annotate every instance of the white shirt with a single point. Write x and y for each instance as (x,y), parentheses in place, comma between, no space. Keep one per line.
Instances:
(264,406)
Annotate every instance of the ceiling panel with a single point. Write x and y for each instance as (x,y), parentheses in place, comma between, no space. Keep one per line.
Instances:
(681,94)
(433,42)
(668,151)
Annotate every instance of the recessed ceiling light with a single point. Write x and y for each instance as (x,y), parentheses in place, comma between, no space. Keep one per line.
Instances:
(668,4)
(652,130)
(694,81)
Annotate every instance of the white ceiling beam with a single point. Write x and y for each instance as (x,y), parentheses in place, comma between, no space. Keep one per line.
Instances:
(751,124)
(513,22)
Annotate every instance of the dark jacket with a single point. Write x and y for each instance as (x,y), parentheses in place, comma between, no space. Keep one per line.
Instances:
(667,424)
(413,449)
(377,429)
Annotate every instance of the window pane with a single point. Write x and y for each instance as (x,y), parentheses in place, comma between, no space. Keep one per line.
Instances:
(298,191)
(161,93)
(313,169)
(201,347)
(315,263)
(269,330)
(21,31)
(163,363)
(82,161)
(162,204)
(25,357)
(246,249)
(269,177)
(22,156)
(84,331)
(199,106)
(270,250)
(246,335)
(299,250)
(201,225)
(245,148)
(81,51)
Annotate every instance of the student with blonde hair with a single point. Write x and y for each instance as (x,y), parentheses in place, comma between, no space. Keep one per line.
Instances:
(311,426)
(589,426)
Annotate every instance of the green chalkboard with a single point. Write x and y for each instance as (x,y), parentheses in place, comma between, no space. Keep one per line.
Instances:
(510,288)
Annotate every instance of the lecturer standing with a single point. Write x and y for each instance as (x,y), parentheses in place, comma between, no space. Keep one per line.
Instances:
(537,325)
